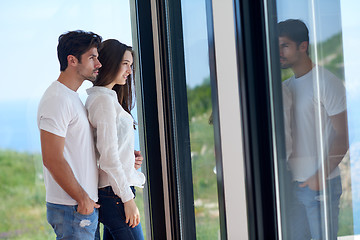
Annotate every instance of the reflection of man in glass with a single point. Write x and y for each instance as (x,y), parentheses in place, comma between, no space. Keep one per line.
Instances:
(319,131)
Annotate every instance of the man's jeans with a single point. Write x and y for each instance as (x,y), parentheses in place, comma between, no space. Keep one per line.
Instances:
(307,215)
(69,224)
(112,215)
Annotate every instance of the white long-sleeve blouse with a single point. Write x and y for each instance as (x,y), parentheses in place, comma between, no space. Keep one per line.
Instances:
(114,138)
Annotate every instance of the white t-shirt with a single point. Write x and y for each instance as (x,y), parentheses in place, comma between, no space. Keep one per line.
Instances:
(114,134)
(62,113)
(308,92)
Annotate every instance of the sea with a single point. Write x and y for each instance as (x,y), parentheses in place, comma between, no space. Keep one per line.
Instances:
(18,126)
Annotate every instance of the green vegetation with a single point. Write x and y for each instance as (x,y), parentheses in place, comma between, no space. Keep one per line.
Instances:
(346,224)
(22,191)
(286,74)
(330,55)
(199,99)
(140,204)
(203,162)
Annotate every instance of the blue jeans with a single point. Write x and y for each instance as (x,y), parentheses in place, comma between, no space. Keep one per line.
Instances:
(307,214)
(69,224)
(112,215)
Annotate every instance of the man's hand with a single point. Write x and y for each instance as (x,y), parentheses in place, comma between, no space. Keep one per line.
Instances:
(313,183)
(138,159)
(87,206)
(131,213)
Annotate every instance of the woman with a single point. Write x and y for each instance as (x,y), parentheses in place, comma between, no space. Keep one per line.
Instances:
(109,104)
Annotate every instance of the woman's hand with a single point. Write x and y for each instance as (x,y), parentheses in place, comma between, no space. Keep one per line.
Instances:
(138,159)
(131,213)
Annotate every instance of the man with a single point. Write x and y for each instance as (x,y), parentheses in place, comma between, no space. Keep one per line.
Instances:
(319,136)
(70,172)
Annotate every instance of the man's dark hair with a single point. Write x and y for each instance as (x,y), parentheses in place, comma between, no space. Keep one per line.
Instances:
(295,30)
(75,43)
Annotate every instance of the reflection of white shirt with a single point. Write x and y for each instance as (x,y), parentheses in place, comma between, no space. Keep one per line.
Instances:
(114,134)
(287,106)
(62,113)
(309,119)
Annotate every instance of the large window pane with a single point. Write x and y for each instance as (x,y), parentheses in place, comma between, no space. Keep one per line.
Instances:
(30,31)
(200,119)
(318,188)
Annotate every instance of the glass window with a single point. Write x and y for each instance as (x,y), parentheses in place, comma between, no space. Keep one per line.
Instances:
(29,59)
(200,119)
(319,68)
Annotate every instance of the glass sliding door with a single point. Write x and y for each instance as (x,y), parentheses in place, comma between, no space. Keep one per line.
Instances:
(196,51)
(317,69)
(186,110)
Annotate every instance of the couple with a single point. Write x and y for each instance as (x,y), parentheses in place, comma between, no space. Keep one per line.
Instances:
(86,181)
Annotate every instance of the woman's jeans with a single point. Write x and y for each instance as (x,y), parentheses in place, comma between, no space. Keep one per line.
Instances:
(112,216)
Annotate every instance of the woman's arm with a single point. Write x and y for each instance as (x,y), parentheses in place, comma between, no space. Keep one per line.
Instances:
(102,116)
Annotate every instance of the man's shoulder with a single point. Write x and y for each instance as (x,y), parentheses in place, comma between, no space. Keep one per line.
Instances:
(59,99)
(54,90)
(288,81)
(328,80)
(326,74)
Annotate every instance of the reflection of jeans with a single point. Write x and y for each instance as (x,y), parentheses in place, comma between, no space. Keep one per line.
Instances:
(112,215)
(307,215)
(69,224)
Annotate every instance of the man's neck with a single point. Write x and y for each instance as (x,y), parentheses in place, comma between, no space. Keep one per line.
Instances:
(303,67)
(70,80)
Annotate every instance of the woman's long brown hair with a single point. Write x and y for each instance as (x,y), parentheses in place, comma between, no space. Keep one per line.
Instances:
(111,53)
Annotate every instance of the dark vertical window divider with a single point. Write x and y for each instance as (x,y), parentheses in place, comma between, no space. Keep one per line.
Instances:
(216,120)
(176,119)
(150,120)
(256,115)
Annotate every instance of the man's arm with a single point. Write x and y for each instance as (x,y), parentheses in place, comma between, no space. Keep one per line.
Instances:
(340,144)
(52,147)
(337,150)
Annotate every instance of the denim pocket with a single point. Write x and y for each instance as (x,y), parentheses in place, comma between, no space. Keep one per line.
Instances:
(83,215)
(85,225)
(88,220)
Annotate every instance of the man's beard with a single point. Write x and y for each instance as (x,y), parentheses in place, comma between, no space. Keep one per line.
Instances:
(91,78)
(285,65)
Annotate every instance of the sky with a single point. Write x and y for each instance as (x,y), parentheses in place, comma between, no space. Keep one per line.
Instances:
(351,40)
(30,31)
(29,58)
(195,41)
(29,36)
(328,15)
